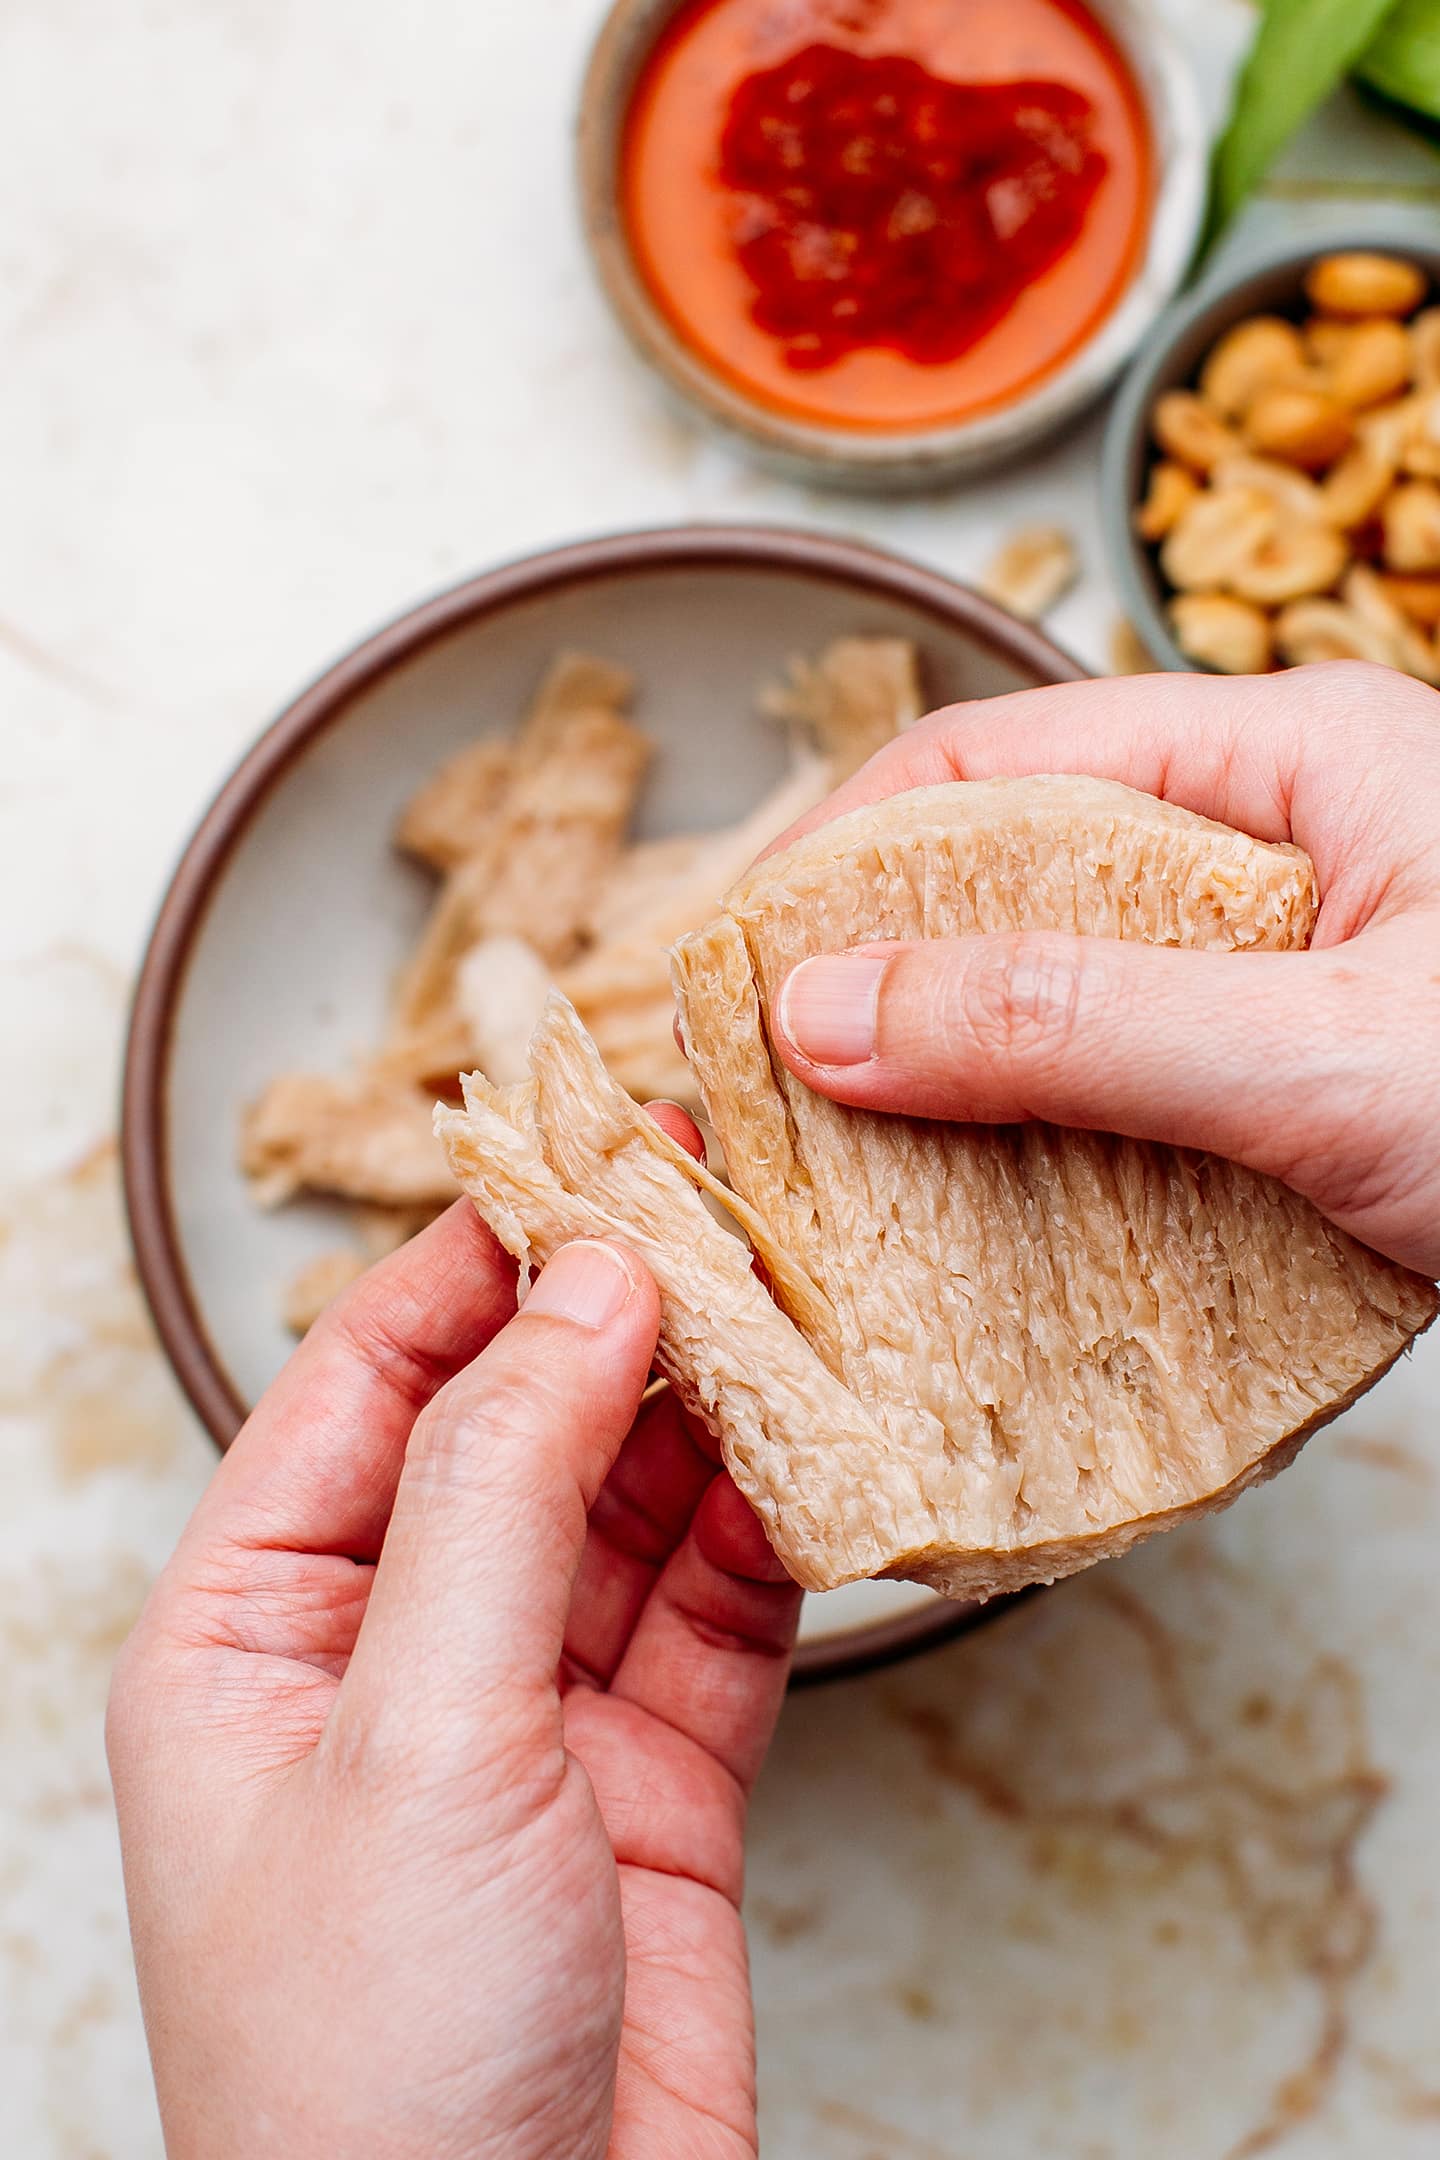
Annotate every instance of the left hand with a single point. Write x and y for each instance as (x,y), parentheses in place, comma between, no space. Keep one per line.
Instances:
(433,1745)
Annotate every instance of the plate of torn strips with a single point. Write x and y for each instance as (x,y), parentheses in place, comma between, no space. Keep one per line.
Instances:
(545,777)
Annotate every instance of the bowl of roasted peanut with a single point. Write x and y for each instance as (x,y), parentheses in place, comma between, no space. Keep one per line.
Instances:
(1272,468)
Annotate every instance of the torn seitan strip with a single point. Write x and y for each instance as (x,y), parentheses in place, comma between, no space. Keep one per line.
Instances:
(450,818)
(366,1139)
(1072,1339)
(855,697)
(569,1155)
(839,708)
(545,851)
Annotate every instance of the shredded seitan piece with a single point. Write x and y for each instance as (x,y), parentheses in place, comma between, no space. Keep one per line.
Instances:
(850,701)
(547,846)
(570,1155)
(540,886)
(1028,1348)
(368,1139)
(450,819)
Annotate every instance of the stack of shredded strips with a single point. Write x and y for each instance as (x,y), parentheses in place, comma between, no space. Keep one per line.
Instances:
(542,889)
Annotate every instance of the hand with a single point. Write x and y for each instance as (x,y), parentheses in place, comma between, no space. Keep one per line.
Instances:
(1320,1068)
(433,1745)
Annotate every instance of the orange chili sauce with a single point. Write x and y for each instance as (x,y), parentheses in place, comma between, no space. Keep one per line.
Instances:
(678,212)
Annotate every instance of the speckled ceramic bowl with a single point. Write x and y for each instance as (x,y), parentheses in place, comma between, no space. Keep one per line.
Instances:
(290,912)
(925,457)
(1269,281)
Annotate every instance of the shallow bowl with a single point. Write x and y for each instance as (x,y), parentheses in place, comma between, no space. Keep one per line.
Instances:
(1266,280)
(290,911)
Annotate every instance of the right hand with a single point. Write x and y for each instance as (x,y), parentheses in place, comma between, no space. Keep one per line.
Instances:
(1319,1068)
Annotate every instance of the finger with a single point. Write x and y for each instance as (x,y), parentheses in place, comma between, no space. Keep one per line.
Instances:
(641,1513)
(1268,1058)
(1306,755)
(474,1581)
(710,1655)
(642,1510)
(679,1126)
(315,1467)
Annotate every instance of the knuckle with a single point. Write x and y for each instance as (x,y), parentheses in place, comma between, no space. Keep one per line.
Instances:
(1019,1002)
(1399,714)
(425,1759)
(1367,682)
(487,1428)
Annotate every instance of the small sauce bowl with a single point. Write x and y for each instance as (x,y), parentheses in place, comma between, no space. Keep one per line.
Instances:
(884,458)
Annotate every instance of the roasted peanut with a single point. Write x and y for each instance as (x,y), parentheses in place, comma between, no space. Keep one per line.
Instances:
(1172,490)
(1185,428)
(1218,533)
(1326,336)
(1292,491)
(1221,632)
(1305,427)
(1262,353)
(1417,597)
(1425,349)
(1364,591)
(1365,284)
(1371,362)
(1032,570)
(1421,455)
(1310,630)
(1296,559)
(1353,490)
(1410,516)
(1388,428)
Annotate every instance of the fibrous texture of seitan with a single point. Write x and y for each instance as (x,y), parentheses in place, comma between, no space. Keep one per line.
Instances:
(568,1154)
(1050,1344)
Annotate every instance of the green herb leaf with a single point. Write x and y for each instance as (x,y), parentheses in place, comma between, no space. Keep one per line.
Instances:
(1403,61)
(1302,50)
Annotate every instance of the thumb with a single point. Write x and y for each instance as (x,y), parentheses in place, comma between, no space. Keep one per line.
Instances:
(1257,1056)
(473,1584)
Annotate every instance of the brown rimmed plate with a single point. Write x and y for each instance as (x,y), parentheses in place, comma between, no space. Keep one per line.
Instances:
(290,912)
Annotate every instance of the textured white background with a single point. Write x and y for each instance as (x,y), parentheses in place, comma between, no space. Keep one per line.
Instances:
(294,325)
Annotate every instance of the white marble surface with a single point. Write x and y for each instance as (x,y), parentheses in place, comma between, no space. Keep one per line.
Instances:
(1150,1867)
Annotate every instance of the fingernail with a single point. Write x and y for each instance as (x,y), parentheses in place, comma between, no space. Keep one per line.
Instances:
(587,1283)
(828,1007)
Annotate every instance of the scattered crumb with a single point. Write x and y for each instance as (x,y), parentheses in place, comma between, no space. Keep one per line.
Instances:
(1034,568)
